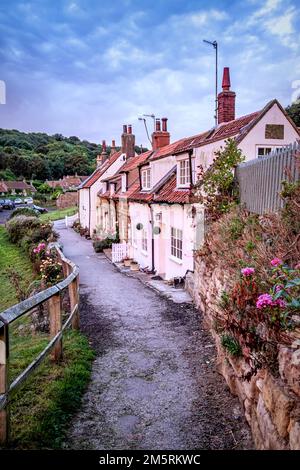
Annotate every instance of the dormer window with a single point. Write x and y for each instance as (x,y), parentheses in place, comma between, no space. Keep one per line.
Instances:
(146,179)
(183,173)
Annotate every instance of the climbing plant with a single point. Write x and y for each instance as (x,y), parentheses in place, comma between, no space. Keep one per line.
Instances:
(216,187)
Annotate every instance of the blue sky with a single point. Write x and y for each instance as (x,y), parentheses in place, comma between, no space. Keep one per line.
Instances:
(85,67)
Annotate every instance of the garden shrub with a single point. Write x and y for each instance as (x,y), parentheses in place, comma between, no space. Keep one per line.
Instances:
(100,245)
(23,211)
(26,231)
(231,344)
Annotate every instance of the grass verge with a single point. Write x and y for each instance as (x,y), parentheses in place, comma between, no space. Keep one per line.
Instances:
(41,409)
(59,214)
(11,256)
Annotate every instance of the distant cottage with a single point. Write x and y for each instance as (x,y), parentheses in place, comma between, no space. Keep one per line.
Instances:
(16,187)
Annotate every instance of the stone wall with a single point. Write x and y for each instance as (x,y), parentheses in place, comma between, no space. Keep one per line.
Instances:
(68,199)
(271,404)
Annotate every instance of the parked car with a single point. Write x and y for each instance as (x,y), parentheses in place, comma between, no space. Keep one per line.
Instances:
(40,210)
(7,204)
(18,200)
(28,200)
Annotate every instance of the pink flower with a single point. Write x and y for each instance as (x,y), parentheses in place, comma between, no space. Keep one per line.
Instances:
(278,288)
(247,271)
(35,250)
(276,262)
(280,303)
(264,300)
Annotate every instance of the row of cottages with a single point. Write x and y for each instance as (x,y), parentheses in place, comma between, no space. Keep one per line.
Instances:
(16,187)
(67,183)
(148,199)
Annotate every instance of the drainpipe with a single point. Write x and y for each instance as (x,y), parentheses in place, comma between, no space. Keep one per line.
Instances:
(152,238)
(90,210)
(191,170)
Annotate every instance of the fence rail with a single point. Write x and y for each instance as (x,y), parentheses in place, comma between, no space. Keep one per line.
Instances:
(53,295)
(260,180)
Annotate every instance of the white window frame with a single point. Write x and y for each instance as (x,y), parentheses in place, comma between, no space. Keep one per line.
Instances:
(183,173)
(146,178)
(144,240)
(266,149)
(176,243)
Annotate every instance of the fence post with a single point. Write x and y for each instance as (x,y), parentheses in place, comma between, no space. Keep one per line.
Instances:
(74,300)
(55,325)
(4,413)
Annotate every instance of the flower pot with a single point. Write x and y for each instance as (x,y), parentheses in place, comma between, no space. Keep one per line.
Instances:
(127,262)
(134,267)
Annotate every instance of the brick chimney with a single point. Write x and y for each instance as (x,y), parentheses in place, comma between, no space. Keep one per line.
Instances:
(128,141)
(226,100)
(103,156)
(161,136)
(113,147)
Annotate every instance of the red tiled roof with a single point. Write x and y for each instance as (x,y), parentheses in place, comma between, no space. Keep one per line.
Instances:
(3,187)
(19,185)
(134,162)
(223,131)
(142,196)
(100,171)
(166,150)
(170,193)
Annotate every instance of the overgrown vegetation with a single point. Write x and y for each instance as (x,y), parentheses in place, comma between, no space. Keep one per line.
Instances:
(216,188)
(11,257)
(231,344)
(260,255)
(23,211)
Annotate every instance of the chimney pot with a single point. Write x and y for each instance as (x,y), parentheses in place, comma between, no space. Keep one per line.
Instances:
(129,129)
(226,100)
(164,124)
(124,129)
(113,143)
(157,125)
(103,146)
(226,79)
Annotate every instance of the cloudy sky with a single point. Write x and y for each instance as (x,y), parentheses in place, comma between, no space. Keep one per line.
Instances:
(85,67)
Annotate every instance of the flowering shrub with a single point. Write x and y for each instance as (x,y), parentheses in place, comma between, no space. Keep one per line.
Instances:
(51,271)
(261,311)
(247,271)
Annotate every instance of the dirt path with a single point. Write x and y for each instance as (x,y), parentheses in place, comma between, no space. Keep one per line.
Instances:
(154,384)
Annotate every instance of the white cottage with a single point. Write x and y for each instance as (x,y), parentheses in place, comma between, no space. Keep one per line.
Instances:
(166,224)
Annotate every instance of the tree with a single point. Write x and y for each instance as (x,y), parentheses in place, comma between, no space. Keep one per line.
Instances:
(293,111)
(216,188)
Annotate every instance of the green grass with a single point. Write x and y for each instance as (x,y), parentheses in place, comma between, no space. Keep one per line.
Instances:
(41,409)
(59,214)
(11,256)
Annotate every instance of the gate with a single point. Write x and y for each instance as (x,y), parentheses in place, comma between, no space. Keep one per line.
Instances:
(119,252)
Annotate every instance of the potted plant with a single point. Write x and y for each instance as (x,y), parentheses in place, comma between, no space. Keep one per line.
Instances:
(134,266)
(127,261)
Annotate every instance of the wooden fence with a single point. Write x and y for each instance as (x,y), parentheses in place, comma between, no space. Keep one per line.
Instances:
(52,295)
(260,180)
